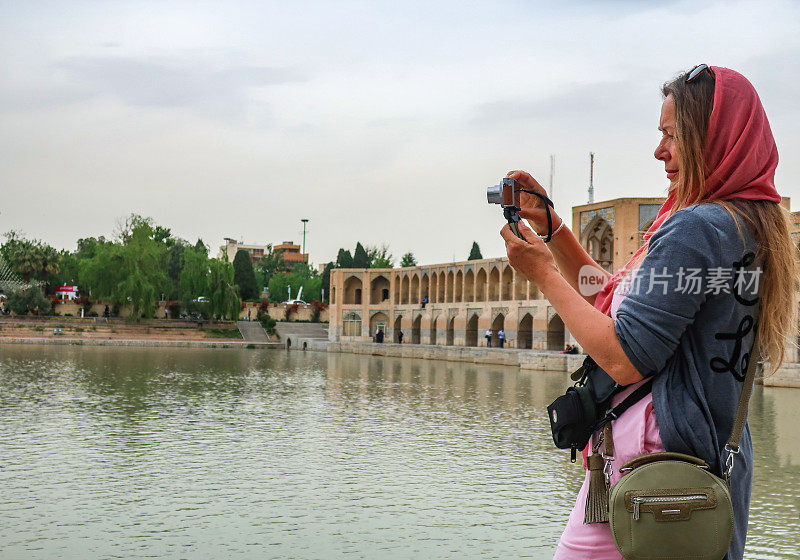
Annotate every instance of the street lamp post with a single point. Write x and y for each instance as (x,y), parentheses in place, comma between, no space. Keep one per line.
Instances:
(305,221)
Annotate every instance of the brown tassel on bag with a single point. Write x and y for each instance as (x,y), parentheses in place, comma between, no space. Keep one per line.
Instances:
(597,498)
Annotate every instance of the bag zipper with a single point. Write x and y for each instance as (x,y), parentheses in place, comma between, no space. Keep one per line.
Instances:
(638,500)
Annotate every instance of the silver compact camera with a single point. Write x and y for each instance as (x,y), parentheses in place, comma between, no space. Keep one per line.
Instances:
(505,194)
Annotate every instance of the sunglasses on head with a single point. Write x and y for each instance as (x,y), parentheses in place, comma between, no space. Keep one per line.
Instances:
(697,70)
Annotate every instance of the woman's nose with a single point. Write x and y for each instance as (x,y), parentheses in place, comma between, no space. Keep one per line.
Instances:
(661,153)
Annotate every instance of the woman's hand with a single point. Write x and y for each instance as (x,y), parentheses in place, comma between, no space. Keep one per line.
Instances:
(530,257)
(532,208)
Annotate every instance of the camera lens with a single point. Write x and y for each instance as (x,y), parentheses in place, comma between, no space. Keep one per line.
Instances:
(494,194)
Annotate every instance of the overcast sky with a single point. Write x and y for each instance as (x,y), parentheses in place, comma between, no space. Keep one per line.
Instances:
(382,122)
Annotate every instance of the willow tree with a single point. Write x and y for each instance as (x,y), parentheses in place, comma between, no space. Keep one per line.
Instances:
(129,272)
(224,299)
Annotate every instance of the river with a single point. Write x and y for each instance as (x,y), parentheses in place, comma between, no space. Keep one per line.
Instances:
(115,452)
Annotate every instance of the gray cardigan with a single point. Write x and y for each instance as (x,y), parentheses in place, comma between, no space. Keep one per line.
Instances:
(693,331)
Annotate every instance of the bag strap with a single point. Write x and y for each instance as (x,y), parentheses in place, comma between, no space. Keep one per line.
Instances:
(732,447)
(641,392)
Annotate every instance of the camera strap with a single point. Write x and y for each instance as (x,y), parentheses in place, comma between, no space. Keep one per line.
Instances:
(547,205)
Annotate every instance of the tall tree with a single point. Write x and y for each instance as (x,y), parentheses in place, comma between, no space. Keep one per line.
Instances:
(200,247)
(130,272)
(243,275)
(408,260)
(379,257)
(271,263)
(193,281)
(344,259)
(325,284)
(176,259)
(30,259)
(475,252)
(360,257)
(222,290)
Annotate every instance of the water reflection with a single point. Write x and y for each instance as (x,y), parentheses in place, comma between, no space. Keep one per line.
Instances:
(138,452)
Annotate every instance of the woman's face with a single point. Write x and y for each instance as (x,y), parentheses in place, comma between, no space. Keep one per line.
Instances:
(667,149)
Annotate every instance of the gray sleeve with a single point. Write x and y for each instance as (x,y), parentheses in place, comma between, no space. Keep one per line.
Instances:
(668,290)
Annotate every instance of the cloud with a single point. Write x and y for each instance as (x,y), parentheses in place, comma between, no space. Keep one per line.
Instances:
(212,89)
(585,102)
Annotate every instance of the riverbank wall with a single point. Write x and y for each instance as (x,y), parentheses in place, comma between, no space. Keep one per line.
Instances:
(787,376)
(142,342)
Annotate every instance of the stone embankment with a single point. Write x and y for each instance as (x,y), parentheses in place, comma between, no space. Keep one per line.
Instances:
(121,332)
(300,335)
(787,376)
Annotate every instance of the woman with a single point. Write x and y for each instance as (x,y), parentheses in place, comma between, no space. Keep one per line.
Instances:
(721,223)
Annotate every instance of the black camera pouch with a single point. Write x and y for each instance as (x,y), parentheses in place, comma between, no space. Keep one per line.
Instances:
(574,415)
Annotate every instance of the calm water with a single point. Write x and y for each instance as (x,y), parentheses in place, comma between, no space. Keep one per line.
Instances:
(183,453)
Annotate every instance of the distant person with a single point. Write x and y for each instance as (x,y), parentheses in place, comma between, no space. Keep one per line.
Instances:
(501,337)
(379,335)
(249,309)
(106,312)
(400,337)
(166,313)
(424,301)
(488,337)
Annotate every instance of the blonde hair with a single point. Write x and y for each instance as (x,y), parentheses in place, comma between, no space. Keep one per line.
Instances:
(768,222)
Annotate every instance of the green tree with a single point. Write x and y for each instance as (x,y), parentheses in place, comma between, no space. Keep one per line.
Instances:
(68,270)
(176,254)
(408,260)
(300,277)
(200,247)
(30,259)
(161,234)
(379,257)
(130,272)
(225,302)
(475,252)
(325,280)
(243,275)
(360,257)
(193,281)
(271,263)
(344,259)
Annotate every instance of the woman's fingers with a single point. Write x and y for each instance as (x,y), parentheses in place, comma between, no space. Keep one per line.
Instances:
(526,179)
(507,234)
(527,232)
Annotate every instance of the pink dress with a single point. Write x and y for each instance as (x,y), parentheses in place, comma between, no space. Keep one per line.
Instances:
(635,432)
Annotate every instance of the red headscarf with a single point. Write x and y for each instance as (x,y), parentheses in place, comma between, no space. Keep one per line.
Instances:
(741,156)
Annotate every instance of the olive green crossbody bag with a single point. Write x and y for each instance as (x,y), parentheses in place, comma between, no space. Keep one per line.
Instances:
(670,506)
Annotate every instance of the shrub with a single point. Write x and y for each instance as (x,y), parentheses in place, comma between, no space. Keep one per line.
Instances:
(30,300)
(267,322)
(317,307)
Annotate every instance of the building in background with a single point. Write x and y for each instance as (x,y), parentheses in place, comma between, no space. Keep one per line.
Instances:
(66,293)
(465,299)
(291,252)
(462,301)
